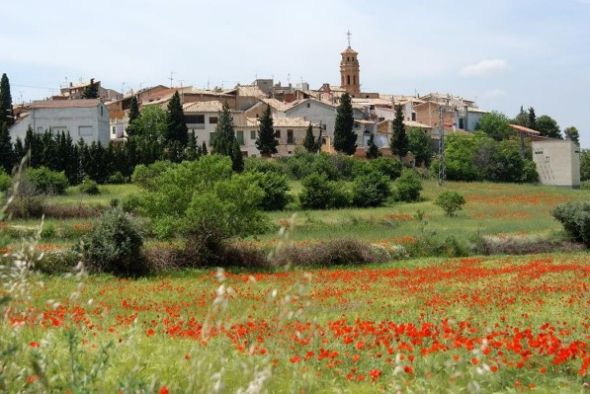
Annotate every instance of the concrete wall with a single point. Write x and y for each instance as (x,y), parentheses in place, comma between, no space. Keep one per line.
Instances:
(90,124)
(558,162)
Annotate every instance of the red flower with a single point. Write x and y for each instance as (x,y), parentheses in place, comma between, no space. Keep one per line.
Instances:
(34,344)
(164,390)
(295,359)
(374,373)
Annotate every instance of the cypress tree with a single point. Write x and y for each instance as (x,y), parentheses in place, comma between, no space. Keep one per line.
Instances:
(192,149)
(7,157)
(176,129)
(399,139)
(204,151)
(532,119)
(91,90)
(19,150)
(267,141)
(522,118)
(224,136)
(133,115)
(33,145)
(6,112)
(309,143)
(236,157)
(344,136)
(372,150)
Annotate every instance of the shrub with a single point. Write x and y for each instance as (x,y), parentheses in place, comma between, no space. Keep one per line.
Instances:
(26,207)
(5,181)
(145,176)
(450,202)
(255,164)
(46,181)
(114,246)
(88,186)
(321,193)
(72,211)
(370,190)
(408,186)
(275,188)
(575,218)
(387,166)
(117,178)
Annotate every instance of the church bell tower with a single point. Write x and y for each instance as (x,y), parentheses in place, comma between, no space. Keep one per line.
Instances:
(350,71)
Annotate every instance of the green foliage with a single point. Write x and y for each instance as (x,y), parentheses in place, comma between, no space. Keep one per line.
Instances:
(146,176)
(46,181)
(6,112)
(5,181)
(275,187)
(91,90)
(372,149)
(321,193)
(585,165)
(370,190)
(117,178)
(267,141)
(133,109)
(7,156)
(344,136)
(237,159)
(114,246)
(420,144)
(176,136)
(548,127)
(408,186)
(450,202)
(255,164)
(88,186)
(310,143)
(572,134)
(224,137)
(203,195)
(522,119)
(495,125)
(399,139)
(575,218)
(388,166)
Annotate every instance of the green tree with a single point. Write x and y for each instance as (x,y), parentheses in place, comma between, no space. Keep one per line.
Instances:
(372,149)
(192,148)
(204,150)
(572,134)
(310,143)
(450,202)
(532,119)
(267,141)
(91,90)
(236,157)
(6,112)
(176,130)
(495,125)
(7,156)
(399,139)
(548,127)
(522,119)
(134,114)
(585,165)
(420,144)
(224,137)
(344,136)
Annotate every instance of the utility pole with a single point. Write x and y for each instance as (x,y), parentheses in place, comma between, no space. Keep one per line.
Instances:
(442,168)
(171,78)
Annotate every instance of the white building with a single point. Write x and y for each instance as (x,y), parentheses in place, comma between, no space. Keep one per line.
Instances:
(86,119)
(314,111)
(558,162)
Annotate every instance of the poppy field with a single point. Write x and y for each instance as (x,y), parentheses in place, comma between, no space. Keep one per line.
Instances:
(497,324)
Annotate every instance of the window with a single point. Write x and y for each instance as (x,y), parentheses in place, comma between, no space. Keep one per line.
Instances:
(85,131)
(195,119)
(308,105)
(59,129)
(114,130)
(278,133)
(461,123)
(414,116)
(252,134)
(212,119)
(348,79)
(354,79)
(240,137)
(290,139)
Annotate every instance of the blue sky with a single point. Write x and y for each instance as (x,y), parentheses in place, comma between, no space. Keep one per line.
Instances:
(502,53)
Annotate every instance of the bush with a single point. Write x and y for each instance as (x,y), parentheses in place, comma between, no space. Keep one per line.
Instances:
(575,218)
(5,181)
(387,166)
(255,164)
(88,186)
(117,178)
(321,193)
(26,207)
(46,181)
(145,176)
(275,188)
(408,186)
(114,246)
(370,190)
(450,202)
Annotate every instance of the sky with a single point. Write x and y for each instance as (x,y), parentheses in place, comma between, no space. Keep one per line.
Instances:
(501,53)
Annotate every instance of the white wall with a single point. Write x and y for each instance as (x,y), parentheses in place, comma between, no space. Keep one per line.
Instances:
(316,113)
(558,162)
(90,124)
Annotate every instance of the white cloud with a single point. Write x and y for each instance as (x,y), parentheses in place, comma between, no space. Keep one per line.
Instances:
(484,68)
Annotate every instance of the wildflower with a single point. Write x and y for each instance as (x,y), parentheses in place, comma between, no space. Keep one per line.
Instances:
(34,344)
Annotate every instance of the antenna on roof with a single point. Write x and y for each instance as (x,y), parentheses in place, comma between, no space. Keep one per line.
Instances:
(171,78)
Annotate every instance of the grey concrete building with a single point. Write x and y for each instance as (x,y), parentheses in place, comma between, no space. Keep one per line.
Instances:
(86,119)
(558,162)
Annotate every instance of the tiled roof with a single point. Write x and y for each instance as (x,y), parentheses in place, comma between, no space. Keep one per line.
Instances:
(523,129)
(89,103)
(203,106)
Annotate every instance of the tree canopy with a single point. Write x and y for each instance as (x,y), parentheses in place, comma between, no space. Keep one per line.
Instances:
(399,139)
(267,141)
(496,125)
(548,127)
(344,136)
